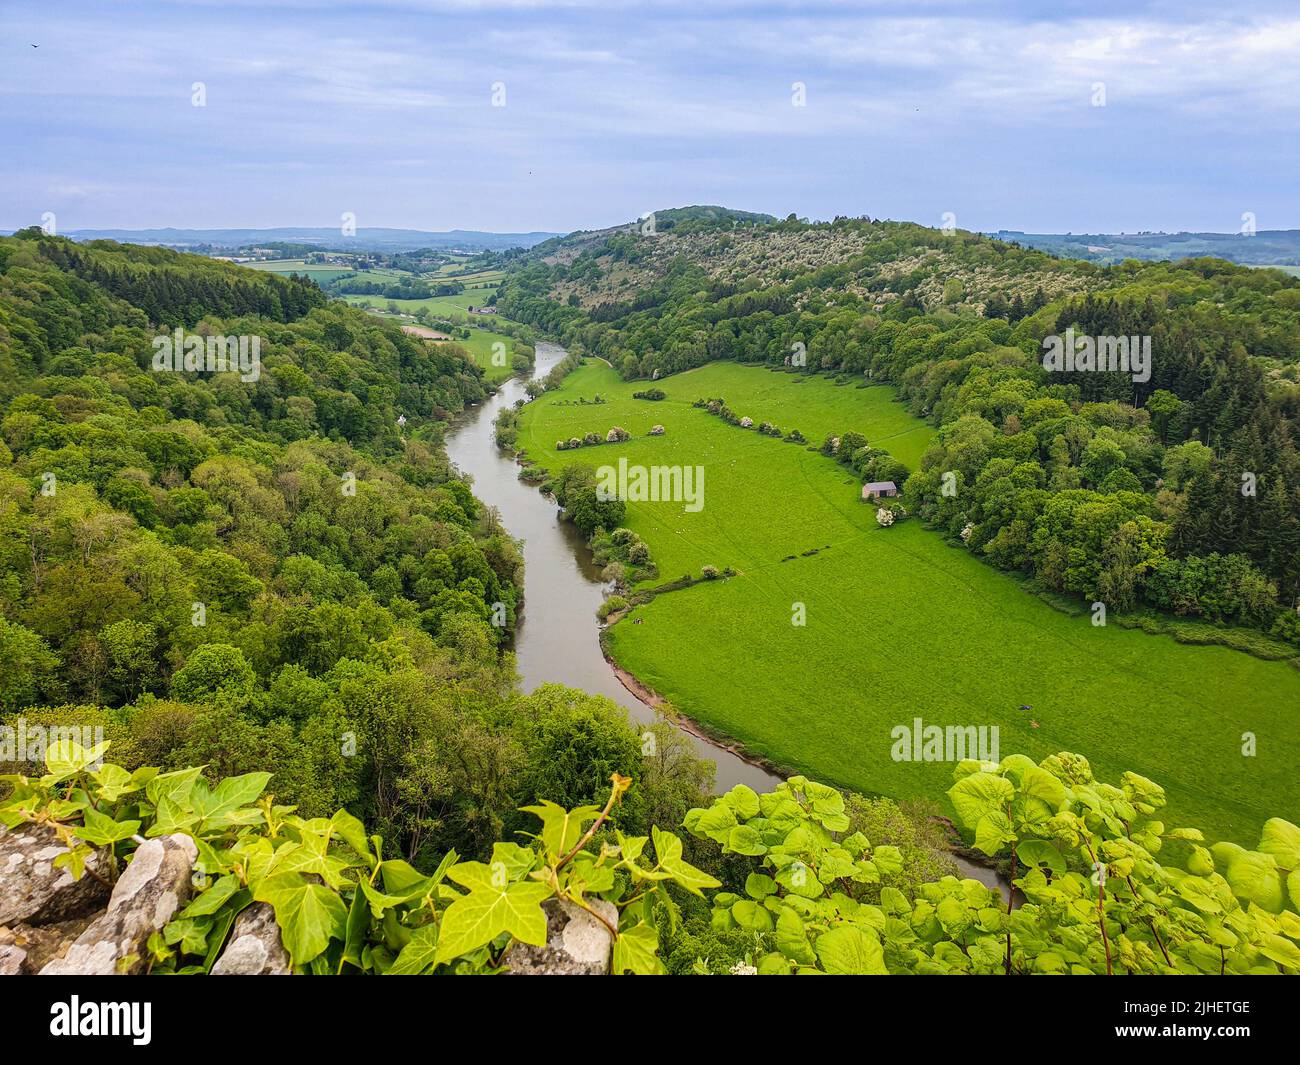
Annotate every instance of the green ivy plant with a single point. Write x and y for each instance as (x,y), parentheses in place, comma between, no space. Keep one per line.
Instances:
(340,904)
(1105,886)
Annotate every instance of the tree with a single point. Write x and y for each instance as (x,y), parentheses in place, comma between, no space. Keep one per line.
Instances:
(29,669)
(213,669)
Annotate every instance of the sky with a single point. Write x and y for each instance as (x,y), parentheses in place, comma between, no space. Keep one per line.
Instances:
(516,115)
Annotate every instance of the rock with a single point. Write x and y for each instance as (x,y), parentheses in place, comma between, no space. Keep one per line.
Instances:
(254,947)
(46,942)
(12,956)
(33,889)
(577,944)
(144,899)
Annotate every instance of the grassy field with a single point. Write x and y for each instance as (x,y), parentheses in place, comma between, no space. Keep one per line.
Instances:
(317,272)
(898,624)
(456,309)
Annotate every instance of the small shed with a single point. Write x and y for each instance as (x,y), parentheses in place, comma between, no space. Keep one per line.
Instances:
(879,490)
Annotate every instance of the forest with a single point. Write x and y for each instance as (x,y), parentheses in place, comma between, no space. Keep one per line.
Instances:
(290,621)
(1178,494)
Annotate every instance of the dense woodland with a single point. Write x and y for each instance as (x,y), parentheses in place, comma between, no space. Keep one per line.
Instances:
(271,575)
(274,584)
(1179,493)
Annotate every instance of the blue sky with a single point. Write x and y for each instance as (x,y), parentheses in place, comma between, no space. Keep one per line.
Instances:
(384,109)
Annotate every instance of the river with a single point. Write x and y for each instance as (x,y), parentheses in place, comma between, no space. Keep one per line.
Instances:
(557,636)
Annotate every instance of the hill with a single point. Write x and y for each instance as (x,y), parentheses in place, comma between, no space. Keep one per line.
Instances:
(1267,247)
(329,238)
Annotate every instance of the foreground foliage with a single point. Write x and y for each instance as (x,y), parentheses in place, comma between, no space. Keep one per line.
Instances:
(1097,897)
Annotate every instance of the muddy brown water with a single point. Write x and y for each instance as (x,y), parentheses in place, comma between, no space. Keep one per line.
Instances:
(557,638)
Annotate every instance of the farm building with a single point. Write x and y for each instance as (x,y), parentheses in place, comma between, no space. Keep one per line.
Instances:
(879,490)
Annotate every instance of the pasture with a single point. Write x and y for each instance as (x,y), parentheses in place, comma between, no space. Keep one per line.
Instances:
(896,623)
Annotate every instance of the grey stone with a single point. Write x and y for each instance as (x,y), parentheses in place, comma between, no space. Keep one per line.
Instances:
(145,898)
(577,944)
(12,958)
(254,947)
(32,889)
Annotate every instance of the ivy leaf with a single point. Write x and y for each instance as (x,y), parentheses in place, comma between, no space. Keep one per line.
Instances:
(636,951)
(485,913)
(67,758)
(561,828)
(210,901)
(309,915)
(101,830)
(419,955)
(352,832)
(191,934)
(233,792)
(114,782)
(847,950)
(669,850)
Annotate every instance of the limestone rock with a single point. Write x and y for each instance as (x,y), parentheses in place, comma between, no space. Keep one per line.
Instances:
(12,956)
(254,947)
(32,889)
(577,944)
(145,898)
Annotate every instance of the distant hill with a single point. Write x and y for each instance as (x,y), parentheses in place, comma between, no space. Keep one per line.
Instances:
(679,221)
(1268,247)
(381,240)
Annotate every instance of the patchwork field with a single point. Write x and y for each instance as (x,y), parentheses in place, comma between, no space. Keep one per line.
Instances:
(317,272)
(453,307)
(898,624)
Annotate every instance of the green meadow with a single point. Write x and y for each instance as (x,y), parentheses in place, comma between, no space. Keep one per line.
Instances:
(897,624)
(319,273)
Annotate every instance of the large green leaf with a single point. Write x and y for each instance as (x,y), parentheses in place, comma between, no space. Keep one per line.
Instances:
(1282,840)
(978,795)
(67,758)
(792,937)
(486,913)
(561,828)
(668,849)
(309,914)
(636,951)
(1253,876)
(419,955)
(100,830)
(850,951)
(743,801)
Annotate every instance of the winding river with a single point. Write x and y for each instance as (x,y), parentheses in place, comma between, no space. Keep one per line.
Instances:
(557,638)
